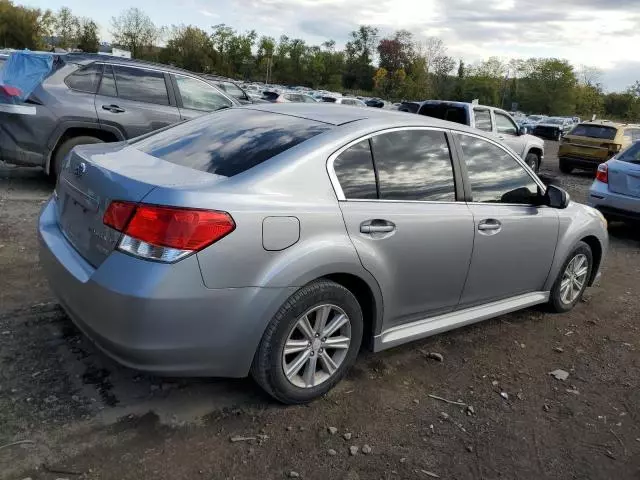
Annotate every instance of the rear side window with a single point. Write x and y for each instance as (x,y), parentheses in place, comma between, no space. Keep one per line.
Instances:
(445,111)
(197,95)
(108,83)
(141,85)
(231,141)
(414,165)
(232,89)
(595,131)
(354,169)
(483,119)
(86,79)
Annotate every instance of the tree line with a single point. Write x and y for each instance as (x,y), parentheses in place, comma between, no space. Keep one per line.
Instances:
(397,66)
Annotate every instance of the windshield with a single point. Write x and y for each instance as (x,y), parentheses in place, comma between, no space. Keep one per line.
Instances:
(631,154)
(594,131)
(230,142)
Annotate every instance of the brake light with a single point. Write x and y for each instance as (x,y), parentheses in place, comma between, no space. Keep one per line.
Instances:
(602,175)
(166,233)
(118,215)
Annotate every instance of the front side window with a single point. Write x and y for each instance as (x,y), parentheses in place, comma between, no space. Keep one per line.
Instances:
(505,125)
(483,119)
(233,90)
(414,165)
(86,79)
(495,176)
(141,85)
(198,95)
(354,169)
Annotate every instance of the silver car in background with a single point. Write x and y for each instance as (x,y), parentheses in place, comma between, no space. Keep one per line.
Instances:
(616,189)
(276,239)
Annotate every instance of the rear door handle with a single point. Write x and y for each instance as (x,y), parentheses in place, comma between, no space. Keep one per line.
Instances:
(377,226)
(489,226)
(113,108)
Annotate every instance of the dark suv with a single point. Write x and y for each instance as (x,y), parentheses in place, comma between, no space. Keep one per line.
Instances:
(94,98)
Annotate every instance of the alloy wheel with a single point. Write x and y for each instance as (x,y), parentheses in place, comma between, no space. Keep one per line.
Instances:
(316,346)
(574,278)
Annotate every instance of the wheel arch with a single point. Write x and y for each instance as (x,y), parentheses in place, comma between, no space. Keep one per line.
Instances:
(596,252)
(70,130)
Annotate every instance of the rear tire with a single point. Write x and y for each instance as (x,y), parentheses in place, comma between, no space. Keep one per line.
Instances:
(565,167)
(64,149)
(533,161)
(575,273)
(270,360)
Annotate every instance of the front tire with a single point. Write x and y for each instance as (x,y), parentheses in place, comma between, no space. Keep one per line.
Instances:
(310,343)
(533,161)
(64,149)
(565,167)
(573,279)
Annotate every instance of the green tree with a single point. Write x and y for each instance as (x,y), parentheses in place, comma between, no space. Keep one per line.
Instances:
(191,48)
(135,31)
(359,54)
(67,28)
(548,86)
(88,40)
(24,27)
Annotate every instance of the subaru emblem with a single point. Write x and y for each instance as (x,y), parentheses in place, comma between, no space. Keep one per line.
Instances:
(80,169)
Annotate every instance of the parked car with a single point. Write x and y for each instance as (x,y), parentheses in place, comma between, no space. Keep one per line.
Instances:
(354,102)
(286,97)
(93,99)
(409,107)
(3,58)
(375,102)
(233,89)
(591,143)
(553,128)
(488,119)
(528,123)
(265,240)
(616,189)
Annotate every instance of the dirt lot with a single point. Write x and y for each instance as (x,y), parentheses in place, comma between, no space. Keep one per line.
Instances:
(80,415)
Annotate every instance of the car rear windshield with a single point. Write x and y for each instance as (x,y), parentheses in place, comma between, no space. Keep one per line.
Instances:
(595,131)
(231,141)
(631,154)
(445,111)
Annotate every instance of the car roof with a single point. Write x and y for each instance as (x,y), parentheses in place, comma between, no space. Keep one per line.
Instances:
(337,114)
(86,58)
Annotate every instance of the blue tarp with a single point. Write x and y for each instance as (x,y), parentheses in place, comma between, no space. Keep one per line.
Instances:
(22,73)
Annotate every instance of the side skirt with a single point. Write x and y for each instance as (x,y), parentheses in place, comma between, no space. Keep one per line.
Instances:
(432,326)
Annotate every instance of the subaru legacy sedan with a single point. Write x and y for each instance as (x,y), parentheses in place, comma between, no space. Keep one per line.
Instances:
(277,239)
(616,188)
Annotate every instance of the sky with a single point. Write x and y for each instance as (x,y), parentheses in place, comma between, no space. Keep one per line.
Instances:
(599,33)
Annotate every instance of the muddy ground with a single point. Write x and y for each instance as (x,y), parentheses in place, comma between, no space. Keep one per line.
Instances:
(78,415)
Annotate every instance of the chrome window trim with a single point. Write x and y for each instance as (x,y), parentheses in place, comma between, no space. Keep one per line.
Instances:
(334,178)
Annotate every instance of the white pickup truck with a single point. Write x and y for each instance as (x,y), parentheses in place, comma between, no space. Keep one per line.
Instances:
(488,119)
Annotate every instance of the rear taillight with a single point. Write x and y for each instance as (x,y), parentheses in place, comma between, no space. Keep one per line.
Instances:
(602,175)
(164,233)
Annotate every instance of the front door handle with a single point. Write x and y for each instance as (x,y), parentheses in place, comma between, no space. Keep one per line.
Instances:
(113,108)
(489,226)
(377,226)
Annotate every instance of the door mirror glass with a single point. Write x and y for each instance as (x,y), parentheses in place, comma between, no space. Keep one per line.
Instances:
(556,197)
(522,130)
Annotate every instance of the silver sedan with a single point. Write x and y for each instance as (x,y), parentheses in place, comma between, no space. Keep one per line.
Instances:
(278,239)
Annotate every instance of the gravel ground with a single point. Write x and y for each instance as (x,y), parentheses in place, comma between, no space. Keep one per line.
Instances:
(80,415)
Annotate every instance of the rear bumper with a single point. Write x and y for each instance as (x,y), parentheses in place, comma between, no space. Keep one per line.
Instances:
(613,204)
(156,317)
(582,162)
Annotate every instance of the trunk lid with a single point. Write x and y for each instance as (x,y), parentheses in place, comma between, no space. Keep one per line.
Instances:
(624,178)
(94,175)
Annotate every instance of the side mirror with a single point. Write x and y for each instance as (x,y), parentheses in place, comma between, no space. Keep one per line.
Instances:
(522,130)
(555,197)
